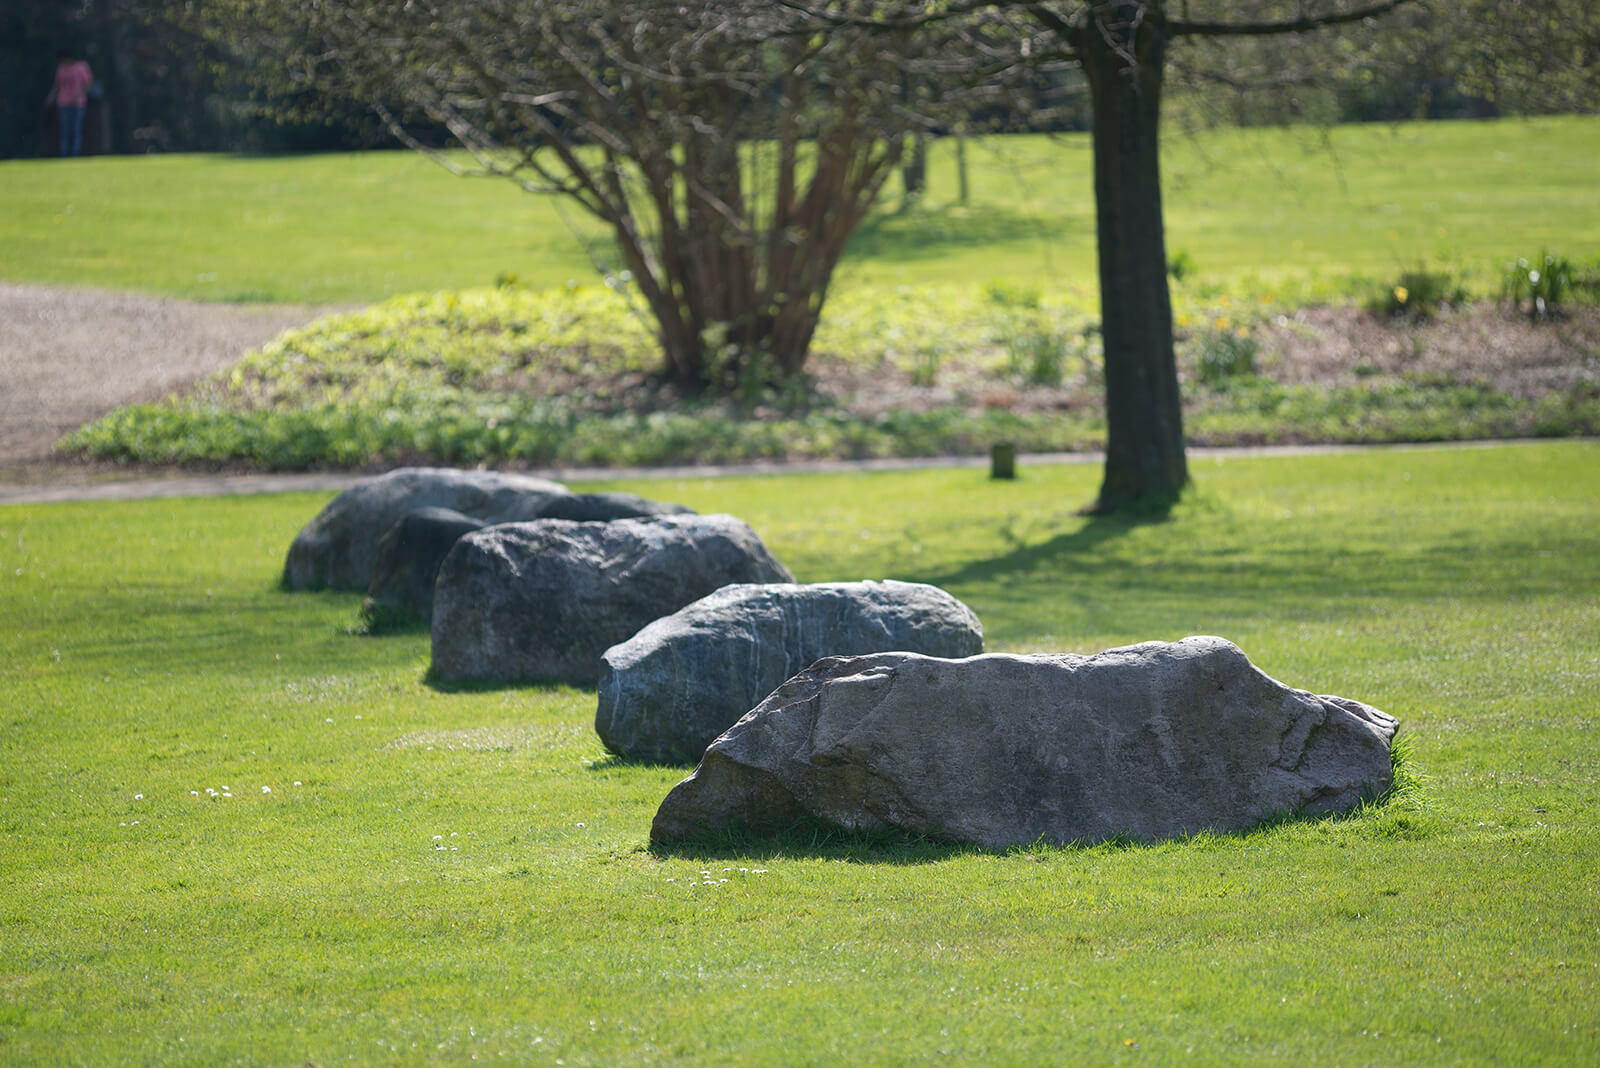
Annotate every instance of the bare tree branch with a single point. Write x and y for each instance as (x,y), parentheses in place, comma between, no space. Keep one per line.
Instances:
(1303,24)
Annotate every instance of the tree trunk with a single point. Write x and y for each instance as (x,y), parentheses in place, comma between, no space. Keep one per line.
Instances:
(123,79)
(914,171)
(1123,51)
(961,166)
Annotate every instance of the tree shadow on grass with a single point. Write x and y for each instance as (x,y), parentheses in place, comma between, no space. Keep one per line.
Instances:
(381,624)
(432,680)
(920,233)
(1097,531)
(1398,813)
(1215,574)
(814,839)
(618,762)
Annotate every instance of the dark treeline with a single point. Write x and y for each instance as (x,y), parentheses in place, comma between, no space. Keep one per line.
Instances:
(162,85)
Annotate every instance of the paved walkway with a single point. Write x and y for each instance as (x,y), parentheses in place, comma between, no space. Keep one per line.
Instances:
(226,485)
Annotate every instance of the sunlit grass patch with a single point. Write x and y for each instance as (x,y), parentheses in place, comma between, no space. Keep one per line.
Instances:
(1307,213)
(436,874)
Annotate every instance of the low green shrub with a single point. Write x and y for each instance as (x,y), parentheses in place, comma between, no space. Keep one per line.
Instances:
(1258,411)
(1180,265)
(1420,293)
(1541,286)
(462,429)
(459,428)
(1223,350)
(1007,294)
(1039,350)
(1041,340)
(926,361)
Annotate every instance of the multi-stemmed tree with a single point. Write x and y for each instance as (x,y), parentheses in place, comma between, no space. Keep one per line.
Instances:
(732,146)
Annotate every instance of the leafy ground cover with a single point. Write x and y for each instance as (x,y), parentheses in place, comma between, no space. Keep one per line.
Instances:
(236,832)
(563,377)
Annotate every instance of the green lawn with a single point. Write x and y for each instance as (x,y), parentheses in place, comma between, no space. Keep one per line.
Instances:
(403,875)
(1296,208)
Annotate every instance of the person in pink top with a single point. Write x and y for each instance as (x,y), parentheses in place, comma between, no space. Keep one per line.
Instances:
(71,96)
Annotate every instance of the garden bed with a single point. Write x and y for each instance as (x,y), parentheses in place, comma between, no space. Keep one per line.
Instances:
(566,378)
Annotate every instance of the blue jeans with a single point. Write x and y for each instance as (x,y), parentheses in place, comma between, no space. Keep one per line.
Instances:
(71,122)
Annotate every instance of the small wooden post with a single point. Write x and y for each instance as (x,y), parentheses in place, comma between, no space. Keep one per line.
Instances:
(1003,460)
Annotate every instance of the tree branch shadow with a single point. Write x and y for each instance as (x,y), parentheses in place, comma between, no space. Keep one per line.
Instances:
(814,839)
(442,684)
(1096,531)
(925,231)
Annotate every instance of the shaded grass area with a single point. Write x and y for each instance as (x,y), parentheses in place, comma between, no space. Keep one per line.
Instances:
(465,873)
(1297,210)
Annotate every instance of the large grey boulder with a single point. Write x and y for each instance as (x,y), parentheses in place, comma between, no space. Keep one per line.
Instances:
(668,691)
(409,554)
(604,507)
(1151,741)
(544,600)
(337,549)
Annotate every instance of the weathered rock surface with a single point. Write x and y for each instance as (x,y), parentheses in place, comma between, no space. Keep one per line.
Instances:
(409,555)
(605,507)
(408,561)
(544,600)
(668,691)
(1151,741)
(337,549)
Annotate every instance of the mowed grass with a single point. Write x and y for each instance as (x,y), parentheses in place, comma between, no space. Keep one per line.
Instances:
(1298,210)
(441,877)
(324,229)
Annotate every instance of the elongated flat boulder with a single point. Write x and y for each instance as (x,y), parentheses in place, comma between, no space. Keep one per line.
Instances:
(338,548)
(1151,741)
(668,691)
(545,599)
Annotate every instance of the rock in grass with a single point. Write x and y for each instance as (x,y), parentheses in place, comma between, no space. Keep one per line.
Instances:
(338,548)
(409,555)
(605,507)
(1150,741)
(544,600)
(668,691)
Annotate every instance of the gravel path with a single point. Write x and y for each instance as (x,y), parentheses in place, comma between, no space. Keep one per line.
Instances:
(68,356)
